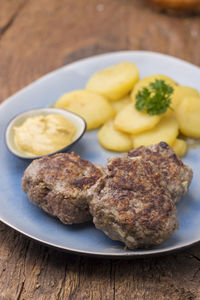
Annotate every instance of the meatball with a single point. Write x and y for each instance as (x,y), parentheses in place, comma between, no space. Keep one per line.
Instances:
(177,175)
(59,184)
(131,203)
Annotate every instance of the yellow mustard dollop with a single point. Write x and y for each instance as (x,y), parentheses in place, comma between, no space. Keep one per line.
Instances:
(43,134)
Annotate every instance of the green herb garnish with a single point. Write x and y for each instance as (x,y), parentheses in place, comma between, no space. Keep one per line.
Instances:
(154,99)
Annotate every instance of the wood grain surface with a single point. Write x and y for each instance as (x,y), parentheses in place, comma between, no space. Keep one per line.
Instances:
(38,36)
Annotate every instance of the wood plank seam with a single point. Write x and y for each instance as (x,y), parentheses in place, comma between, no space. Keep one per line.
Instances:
(12,19)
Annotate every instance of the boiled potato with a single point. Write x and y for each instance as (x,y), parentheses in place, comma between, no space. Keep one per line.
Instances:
(181,92)
(114,82)
(147,80)
(114,140)
(130,120)
(165,131)
(95,109)
(120,104)
(180,147)
(188,116)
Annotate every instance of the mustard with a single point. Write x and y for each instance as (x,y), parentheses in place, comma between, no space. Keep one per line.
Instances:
(44,134)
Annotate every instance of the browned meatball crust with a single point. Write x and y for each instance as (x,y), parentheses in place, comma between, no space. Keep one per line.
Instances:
(177,175)
(59,184)
(130,203)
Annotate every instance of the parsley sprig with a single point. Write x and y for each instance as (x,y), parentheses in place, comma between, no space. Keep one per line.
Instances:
(154,99)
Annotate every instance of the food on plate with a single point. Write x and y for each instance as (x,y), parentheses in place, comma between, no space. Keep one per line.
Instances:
(188,116)
(94,108)
(130,120)
(180,92)
(177,175)
(121,103)
(152,109)
(154,99)
(132,199)
(59,184)
(114,82)
(144,83)
(44,134)
(166,130)
(180,147)
(112,139)
(126,207)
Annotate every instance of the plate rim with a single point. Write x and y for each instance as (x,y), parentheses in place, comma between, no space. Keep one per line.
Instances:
(139,253)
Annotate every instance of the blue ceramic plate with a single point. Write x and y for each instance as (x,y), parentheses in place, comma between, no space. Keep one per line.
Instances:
(17,212)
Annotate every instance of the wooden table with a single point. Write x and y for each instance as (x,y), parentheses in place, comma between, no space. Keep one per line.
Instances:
(38,36)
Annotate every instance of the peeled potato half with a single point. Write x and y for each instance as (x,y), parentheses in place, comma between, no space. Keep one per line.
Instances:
(94,108)
(121,103)
(130,120)
(180,92)
(114,140)
(165,131)
(188,116)
(147,80)
(180,147)
(114,82)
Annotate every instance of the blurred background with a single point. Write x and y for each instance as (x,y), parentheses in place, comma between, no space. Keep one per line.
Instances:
(37,36)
